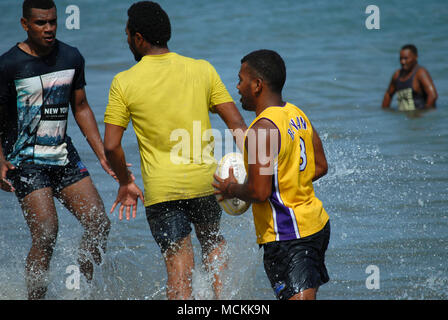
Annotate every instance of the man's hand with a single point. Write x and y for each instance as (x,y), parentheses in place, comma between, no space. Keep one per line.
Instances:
(5,185)
(222,185)
(107,167)
(127,197)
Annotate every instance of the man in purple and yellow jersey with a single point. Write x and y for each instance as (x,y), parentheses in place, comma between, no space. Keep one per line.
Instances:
(165,94)
(283,155)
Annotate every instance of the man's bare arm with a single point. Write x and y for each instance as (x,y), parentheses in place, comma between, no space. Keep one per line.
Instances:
(319,157)
(234,121)
(128,192)
(87,124)
(425,80)
(258,186)
(390,91)
(115,154)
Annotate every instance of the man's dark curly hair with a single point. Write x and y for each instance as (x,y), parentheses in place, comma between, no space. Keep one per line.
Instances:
(269,66)
(411,47)
(36,4)
(151,21)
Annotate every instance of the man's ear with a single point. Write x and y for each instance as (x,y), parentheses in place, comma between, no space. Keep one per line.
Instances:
(24,23)
(258,85)
(138,39)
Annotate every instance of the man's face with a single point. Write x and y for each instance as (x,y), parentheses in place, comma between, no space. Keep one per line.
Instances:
(41,27)
(244,87)
(132,46)
(407,59)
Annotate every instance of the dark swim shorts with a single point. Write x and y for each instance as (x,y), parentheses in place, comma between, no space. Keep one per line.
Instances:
(29,177)
(296,265)
(171,221)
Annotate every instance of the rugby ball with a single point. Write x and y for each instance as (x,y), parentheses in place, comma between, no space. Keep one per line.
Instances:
(235,206)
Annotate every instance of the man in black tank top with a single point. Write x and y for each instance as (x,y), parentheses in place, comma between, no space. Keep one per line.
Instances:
(412,83)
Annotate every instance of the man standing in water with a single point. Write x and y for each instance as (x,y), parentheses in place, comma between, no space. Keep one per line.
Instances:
(165,92)
(412,83)
(40,78)
(283,155)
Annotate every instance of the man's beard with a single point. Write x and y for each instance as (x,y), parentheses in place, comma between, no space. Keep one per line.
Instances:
(137,56)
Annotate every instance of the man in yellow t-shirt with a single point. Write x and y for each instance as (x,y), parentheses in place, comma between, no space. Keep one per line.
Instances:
(168,97)
(283,155)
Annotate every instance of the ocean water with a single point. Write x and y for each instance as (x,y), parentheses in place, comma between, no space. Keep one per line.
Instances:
(387,186)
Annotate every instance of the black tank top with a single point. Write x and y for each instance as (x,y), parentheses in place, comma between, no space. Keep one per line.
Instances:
(408,98)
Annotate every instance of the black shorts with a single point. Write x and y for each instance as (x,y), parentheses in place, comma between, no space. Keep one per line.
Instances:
(29,177)
(296,265)
(171,221)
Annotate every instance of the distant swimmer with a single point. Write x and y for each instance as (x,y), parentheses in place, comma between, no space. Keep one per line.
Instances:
(40,78)
(291,223)
(412,83)
(164,93)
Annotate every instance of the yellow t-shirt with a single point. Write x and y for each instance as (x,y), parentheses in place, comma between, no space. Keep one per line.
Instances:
(168,97)
(292,211)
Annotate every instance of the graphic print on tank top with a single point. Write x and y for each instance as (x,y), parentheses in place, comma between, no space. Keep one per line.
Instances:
(405,100)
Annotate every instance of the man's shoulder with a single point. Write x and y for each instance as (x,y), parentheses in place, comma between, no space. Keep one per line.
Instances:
(9,56)
(125,74)
(278,113)
(199,62)
(68,50)
(396,74)
(200,66)
(298,111)
(421,71)
(293,108)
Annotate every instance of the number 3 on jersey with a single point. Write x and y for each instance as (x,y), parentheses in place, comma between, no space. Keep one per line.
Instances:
(303,160)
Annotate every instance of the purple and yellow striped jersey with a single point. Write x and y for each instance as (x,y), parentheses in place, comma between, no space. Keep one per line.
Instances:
(292,210)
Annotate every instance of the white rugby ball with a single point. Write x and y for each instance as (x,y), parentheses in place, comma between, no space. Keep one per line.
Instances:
(235,206)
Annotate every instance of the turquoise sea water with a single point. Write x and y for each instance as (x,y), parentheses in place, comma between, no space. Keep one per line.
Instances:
(387,186)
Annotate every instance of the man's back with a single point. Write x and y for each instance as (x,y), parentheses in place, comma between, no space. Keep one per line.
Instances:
(168,97)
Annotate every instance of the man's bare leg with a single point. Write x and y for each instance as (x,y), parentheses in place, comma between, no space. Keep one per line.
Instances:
(179,261)
(308,294)
(214,254)
(41,216)
(84,202)
(215,262)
